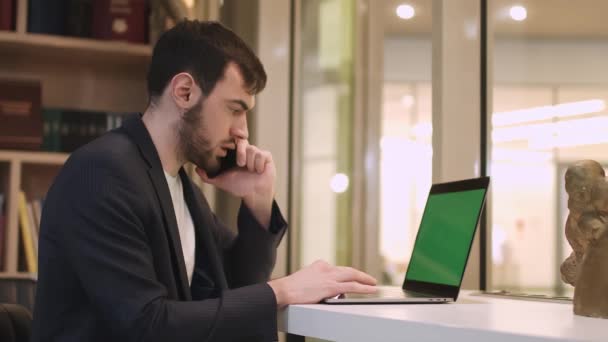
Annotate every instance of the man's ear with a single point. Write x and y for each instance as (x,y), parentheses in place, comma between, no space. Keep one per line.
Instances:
(184,90)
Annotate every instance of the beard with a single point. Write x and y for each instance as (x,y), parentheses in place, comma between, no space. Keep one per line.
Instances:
(192,144)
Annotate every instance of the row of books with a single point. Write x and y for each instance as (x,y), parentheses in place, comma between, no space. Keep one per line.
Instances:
(66,130)
(29,228)
(27,126)
(16,289)
(137,21)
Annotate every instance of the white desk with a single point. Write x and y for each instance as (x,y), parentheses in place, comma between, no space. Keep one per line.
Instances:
(472,318)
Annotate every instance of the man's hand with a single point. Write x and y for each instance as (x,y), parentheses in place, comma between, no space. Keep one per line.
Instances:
(253,181)
(319,281)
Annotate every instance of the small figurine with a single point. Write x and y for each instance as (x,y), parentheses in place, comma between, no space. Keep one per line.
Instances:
(586,230)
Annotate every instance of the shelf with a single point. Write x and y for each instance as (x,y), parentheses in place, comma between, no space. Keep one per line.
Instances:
(18,275)
(74,49)
(77,73)
(34,157)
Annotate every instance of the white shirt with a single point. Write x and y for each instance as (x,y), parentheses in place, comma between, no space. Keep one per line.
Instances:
(184,222)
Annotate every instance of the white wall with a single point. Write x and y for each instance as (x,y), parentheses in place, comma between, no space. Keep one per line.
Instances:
(272,126)
(407,59)
(515,61)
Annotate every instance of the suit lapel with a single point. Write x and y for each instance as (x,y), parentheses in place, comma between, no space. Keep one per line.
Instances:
(203,219)
(164,197)
(135,128)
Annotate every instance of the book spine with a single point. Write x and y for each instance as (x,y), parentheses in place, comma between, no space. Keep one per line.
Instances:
(26,235)
(124,20)
(7,15)
(37,214)
(20,114)
(80,13)
(33,228)
(46,16)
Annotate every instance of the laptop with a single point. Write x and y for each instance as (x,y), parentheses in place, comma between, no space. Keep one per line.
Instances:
(441,250)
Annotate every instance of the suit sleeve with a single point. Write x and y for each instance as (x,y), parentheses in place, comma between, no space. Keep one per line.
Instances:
(106,244)
(250,255)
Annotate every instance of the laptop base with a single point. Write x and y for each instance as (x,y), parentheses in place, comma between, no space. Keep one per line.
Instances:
(388,295)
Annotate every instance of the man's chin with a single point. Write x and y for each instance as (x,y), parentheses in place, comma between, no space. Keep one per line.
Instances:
(210,170)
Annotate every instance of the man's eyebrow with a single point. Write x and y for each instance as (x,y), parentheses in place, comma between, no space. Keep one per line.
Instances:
(242,103)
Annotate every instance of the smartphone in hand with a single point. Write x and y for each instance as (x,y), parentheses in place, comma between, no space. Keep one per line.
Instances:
(226,163)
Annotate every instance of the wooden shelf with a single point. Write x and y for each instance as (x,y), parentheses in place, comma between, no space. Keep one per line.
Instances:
(74,49)
(31,172)
(27,157)
(18,275)
(77,73)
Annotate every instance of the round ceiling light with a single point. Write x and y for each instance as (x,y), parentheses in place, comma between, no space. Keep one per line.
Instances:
(405,11)
(518,13)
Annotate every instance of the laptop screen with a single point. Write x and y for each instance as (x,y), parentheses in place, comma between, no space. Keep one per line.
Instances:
(445,237)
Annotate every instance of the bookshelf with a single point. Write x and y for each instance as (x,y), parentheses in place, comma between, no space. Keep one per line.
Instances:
(78,74)
(32,172)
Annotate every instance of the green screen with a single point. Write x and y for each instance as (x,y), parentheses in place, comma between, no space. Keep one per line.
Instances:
(444,238)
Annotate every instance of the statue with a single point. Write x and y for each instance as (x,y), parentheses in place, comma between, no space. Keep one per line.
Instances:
(587,232)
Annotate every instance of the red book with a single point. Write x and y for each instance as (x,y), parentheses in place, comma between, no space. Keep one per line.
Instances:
(7,15)
(120,20)
(20,114)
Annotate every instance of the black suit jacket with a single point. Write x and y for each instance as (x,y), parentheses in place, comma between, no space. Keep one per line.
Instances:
(111,266)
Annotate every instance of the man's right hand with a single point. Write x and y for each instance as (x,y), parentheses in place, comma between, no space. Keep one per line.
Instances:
(318,281)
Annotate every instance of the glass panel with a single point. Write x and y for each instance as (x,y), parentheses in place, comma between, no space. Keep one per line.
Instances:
(549,110)
(406,136)
(324,117)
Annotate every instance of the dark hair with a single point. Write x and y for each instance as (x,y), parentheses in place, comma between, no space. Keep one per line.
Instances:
(203,49)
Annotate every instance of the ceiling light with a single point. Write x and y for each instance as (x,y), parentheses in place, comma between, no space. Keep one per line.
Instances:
(339,183)
(518,13)
(405,11)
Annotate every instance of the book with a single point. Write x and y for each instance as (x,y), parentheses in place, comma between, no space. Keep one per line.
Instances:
(37,209)
(26,235)
(44,16)
(7,15)
(51,121)
(68,130)
(33,228)
(78,128)
(79,17)
(60,17)
(20,114)
(124,20)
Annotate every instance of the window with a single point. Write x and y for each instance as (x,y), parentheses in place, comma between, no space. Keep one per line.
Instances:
(550,89)
(406,132)
(325,124)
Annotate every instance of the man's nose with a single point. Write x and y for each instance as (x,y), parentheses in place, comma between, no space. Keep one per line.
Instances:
(239,129)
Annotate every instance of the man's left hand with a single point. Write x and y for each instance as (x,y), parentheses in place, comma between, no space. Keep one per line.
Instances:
(253,180)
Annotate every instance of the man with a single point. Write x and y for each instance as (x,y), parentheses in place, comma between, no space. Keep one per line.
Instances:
(130,251)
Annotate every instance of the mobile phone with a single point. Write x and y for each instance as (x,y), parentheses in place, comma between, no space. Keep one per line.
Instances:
(226,163)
